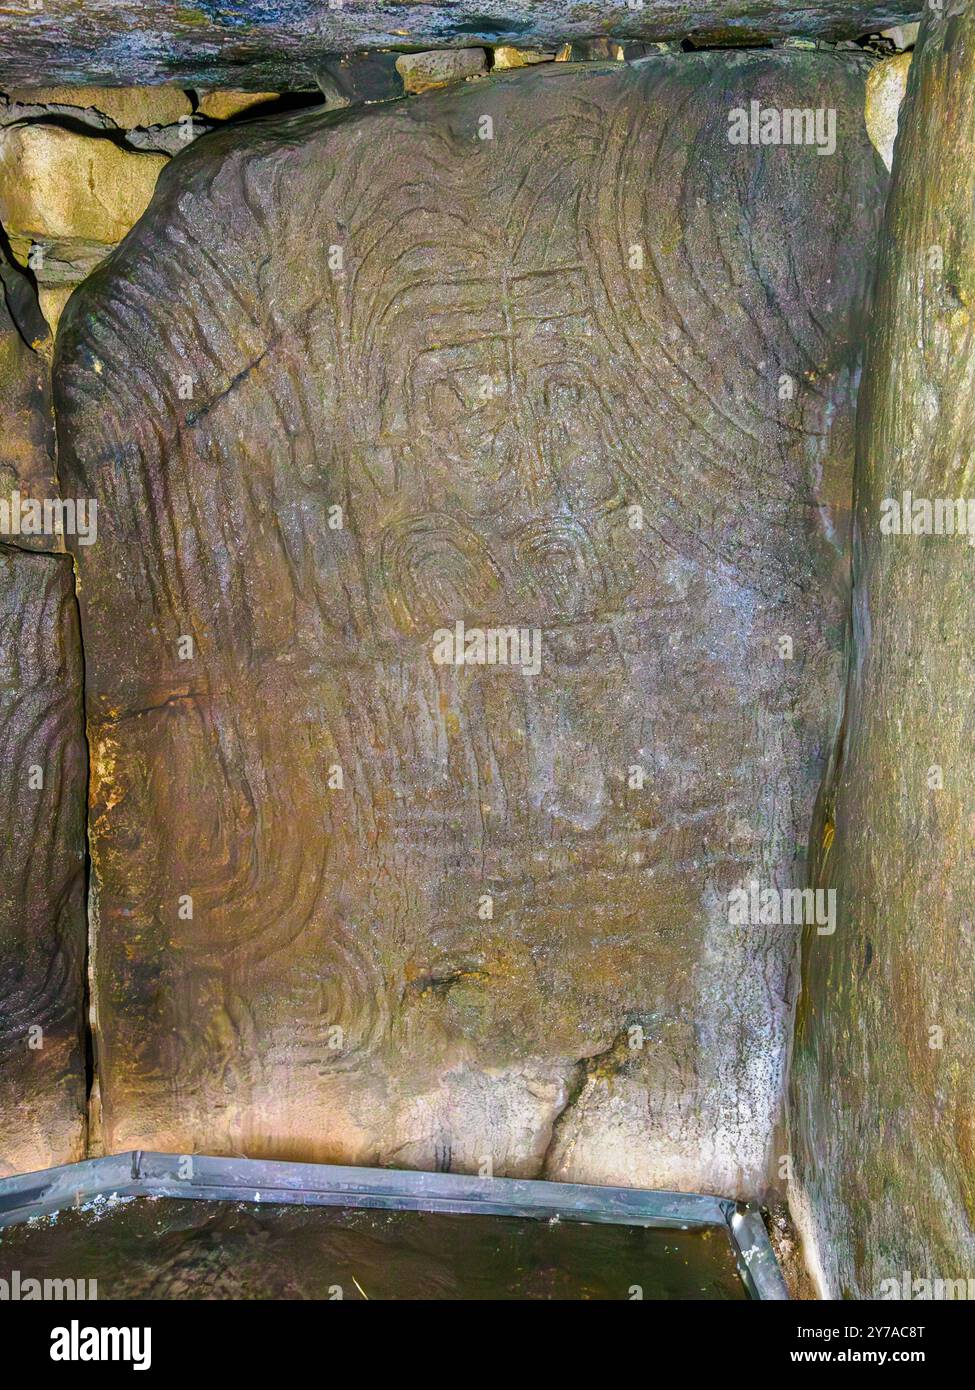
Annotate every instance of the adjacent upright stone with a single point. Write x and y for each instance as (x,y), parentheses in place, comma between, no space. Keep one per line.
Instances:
(42,865)
(883,1084)
(26,431)
(550,356)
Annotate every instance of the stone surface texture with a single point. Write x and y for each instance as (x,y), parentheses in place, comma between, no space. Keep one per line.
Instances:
(42,865)
(52,300)
(507,56)
(883,1086)
(886,87)
(126,107)
(221,106)
(902,35)
(422,72)
(489,946)
(262,46)
(73,196)
(27,434)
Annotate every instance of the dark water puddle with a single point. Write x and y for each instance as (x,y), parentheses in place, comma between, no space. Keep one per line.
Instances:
(167,1248)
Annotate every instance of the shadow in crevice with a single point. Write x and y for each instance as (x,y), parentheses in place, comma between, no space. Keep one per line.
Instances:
(20,292)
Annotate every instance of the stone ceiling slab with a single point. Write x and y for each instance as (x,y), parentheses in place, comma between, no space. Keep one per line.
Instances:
(263,43)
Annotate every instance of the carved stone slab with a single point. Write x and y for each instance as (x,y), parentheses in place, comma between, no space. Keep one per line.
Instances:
(548,353)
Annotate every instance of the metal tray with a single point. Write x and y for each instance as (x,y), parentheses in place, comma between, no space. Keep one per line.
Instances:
(314,1184)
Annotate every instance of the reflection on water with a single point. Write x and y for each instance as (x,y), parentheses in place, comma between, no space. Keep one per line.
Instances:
(167,1248)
